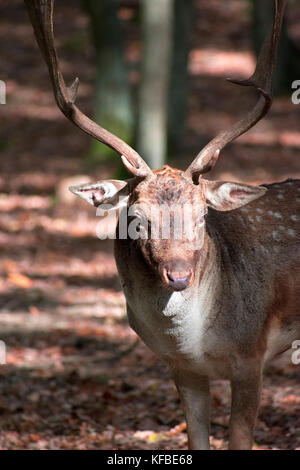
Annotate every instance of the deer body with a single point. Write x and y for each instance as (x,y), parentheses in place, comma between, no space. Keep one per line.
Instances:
(240,303)
(242,309)
(219,307)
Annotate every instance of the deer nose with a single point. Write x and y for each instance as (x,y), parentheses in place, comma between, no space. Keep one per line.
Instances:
(177,279)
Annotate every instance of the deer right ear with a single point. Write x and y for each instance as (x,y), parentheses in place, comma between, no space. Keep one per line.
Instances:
(225,196)
(113,192)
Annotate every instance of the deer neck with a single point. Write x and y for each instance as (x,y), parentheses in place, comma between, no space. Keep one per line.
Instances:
(186,318)
(176,325)
(197,303)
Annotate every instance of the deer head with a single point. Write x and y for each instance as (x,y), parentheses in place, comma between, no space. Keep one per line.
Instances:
(172,258)
(166,216)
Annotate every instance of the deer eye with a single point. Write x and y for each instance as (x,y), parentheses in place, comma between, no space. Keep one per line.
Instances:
(141,222)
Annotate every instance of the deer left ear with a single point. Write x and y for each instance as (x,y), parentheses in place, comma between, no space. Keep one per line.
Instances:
(224,196)
(111,192)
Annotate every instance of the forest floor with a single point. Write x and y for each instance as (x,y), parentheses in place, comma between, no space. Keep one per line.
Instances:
(77,377)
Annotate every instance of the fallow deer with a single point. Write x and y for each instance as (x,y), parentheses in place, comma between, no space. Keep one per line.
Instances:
(223,308)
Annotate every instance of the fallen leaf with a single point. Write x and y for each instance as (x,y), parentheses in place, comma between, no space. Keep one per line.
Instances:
(291,399)
(33,310)
(20,280)
(177,429)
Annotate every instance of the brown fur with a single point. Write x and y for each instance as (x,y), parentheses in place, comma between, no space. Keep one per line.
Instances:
(256,252)
(220,309)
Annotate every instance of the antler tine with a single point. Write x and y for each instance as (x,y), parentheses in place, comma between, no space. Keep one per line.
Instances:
(41,16)
(261,80)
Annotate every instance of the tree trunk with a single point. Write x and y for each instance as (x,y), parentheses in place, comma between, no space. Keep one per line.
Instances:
(113,108)
(178,90)
(157,22)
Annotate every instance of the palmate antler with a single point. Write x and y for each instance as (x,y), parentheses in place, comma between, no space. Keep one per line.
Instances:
(41,16)
(261,80)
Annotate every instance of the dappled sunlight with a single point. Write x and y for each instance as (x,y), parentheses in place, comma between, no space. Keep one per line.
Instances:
(28,102)
(9,203)
(76,376)
(221,63)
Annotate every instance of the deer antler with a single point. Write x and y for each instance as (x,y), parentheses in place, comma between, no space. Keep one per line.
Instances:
(41,17)
(261,80)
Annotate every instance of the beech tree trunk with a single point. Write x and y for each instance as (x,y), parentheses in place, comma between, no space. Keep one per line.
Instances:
(157,30)
(178,89)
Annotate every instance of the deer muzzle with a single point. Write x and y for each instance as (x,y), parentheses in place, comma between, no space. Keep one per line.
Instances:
(177,275)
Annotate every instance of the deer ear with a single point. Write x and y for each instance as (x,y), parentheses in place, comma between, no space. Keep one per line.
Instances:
(111,192)
(224,196)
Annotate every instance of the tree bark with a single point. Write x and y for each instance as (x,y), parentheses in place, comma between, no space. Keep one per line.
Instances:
(157,24)
(178,90)
(113,108)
